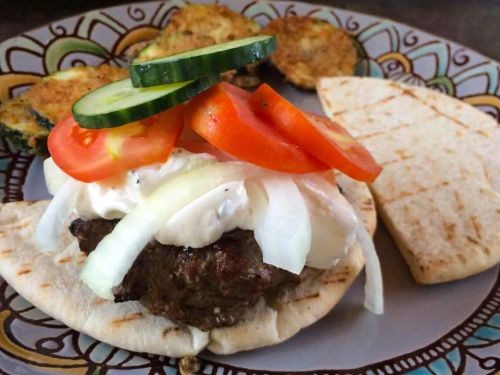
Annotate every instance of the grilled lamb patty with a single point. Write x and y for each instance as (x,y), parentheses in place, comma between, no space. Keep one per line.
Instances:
(205,288)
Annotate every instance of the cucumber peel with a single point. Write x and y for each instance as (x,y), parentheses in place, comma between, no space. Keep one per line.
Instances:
(201,62)
(120,103)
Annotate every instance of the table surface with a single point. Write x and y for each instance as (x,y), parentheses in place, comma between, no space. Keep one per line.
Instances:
(474,24)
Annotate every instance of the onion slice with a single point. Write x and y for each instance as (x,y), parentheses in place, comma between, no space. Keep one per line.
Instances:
(55,178)
(333,221)
(108,264)
(374,293)
(55,218)
(284,231)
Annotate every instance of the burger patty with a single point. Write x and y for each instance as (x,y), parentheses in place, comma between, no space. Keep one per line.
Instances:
(205,288)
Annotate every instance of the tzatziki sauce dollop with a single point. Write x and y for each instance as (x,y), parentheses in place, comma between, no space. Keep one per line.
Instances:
(236,204)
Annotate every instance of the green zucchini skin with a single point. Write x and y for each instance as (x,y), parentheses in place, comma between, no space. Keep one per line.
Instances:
(182,67)
(20,128)
(43,121)
(107,119)
(25,143)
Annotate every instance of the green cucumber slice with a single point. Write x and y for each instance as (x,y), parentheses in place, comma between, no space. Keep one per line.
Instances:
(120,103)
(201,62)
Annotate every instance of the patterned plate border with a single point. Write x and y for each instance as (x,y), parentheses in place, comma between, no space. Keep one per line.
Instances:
(387,49)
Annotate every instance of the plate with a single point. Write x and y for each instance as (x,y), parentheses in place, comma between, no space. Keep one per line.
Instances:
(443,329)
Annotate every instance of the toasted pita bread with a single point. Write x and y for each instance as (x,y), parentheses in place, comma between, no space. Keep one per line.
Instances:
(50,282)
(439,192)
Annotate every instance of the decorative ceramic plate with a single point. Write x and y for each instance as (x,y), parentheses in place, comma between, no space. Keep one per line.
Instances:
(443,329)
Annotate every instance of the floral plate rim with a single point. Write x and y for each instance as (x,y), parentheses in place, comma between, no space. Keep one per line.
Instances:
(448,351)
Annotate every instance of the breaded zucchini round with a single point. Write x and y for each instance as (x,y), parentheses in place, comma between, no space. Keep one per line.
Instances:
(309,48)
(213,20)
(19,126)
(51,99)
(201,25)
(172,42)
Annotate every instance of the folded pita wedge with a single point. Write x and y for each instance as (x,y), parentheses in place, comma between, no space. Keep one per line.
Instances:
(439,192)
(50,281)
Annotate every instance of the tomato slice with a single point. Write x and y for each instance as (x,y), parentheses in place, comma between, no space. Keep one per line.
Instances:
(90,155)
(203,147)
(222,116)
(323,138)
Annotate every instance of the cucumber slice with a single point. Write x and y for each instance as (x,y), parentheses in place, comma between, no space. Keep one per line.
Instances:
(201,62)
(120,103)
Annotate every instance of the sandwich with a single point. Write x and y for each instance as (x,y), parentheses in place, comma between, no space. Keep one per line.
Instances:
(194,214)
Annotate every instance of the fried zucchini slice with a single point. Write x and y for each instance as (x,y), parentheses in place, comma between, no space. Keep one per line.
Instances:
(51,99)
(310,48)
(216,21)
(201,25)
(21,129)
(196,26)
(172,42)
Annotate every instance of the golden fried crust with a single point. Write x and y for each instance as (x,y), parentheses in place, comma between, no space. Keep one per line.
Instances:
(17,111)
(170,43)
(53,98)
(216,21)
(309,48)
(18,124)
(196,26)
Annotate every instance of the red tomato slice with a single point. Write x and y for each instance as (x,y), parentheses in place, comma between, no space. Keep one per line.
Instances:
(203,147)
(222,116)
(91,155)
(318,135)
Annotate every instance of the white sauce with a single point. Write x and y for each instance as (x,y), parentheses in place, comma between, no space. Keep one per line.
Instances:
(114,198)
(237,204)
(204,220)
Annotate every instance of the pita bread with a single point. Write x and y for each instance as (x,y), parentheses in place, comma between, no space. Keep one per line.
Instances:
(50,282)
(439,192)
